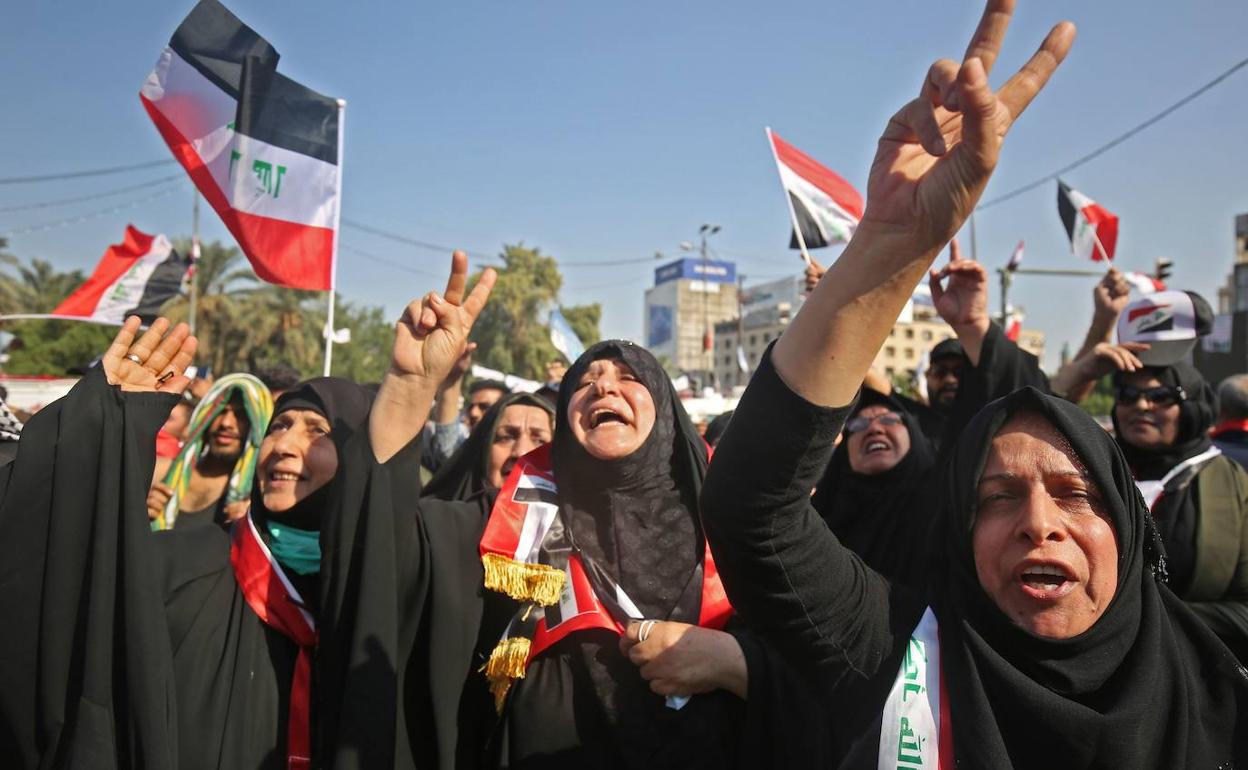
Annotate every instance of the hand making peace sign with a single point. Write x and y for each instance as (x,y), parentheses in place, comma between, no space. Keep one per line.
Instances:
(939,150)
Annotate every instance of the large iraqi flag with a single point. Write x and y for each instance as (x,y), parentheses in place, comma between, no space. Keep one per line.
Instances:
(134,277)
(825,206)
(1092,230)
(262,149)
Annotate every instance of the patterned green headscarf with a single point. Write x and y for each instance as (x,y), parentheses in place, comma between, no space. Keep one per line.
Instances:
(259,405)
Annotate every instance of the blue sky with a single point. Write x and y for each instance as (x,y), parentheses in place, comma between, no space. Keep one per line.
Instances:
(609,132)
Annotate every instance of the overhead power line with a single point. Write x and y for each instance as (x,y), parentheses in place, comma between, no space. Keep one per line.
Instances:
(90,215)
(398,238)
(91,172)
(1117,140)
(387,261)
(150,184)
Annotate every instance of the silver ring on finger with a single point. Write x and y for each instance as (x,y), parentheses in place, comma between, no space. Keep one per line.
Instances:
(644,632)
(134,358)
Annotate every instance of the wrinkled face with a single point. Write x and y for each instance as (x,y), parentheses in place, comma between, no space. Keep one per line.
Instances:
(478,404)
(521,429)
(297,457)
(228,431)
(942,381)
(1147,420)
(880,444)
(1045,549)
(611,413)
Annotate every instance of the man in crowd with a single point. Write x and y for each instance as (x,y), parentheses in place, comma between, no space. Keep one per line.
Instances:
(1231,433)
(194,487)
(278,378)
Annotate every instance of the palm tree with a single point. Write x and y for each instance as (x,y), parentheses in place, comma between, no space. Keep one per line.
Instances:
(225,283)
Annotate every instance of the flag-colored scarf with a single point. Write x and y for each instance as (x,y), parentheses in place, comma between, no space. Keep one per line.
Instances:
(259,405)
(529,553)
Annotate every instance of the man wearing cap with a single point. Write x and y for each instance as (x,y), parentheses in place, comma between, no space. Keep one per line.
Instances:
(947,361)
(1162,415)
(981,357)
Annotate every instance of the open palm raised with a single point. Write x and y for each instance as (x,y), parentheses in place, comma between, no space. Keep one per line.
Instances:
(939,150)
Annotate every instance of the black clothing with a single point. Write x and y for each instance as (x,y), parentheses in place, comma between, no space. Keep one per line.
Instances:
(886,518)
(882,517)
(582,703)
(213,513)
(1147,686)
(1233,443)
(467,471)
(1176,512)
(137,649)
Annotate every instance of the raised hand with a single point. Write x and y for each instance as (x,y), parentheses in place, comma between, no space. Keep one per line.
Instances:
(814,272)
(155,362)
(963,302)
(1111,295)
(939,150)
(433,332)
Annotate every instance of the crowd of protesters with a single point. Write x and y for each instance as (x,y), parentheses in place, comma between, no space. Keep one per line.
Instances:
(258,572)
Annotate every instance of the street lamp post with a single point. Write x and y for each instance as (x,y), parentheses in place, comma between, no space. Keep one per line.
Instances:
(705,232)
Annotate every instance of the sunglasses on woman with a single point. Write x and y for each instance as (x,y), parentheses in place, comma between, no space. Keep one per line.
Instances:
(887,419)
(1158,396)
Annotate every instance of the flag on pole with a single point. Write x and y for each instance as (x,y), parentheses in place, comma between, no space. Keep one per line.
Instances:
(1093,231)
(1016,258)
(1144,283)
(563,336)
(134,277)
(261,148)
(825,207)
(1014,324)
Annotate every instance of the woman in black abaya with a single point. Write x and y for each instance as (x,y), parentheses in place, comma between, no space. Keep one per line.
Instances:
(300,638)
(605,681)
(1045,637)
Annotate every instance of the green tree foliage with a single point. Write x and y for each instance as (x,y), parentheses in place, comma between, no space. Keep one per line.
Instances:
(511,334)
(1101,401)
(242,323)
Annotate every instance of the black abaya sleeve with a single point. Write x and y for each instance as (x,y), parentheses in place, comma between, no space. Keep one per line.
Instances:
(787,575)
(400,605)
(85,663)
(1003,368)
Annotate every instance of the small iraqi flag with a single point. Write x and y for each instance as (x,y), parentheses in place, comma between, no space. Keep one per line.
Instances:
(1016,259)
(262,149)
(1144,283)
(1093,231)
(134,277)
(825,206)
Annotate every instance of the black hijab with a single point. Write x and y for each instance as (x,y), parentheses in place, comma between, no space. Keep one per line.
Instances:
(1175,512)
(881,517)
(345,405)
(636,519)
(637,516)
(467,471)
(1149,685)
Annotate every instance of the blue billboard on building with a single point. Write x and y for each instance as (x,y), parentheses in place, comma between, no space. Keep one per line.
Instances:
(660,326)
(696,270)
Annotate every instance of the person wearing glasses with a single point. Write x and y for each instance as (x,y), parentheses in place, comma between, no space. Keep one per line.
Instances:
(1162,415)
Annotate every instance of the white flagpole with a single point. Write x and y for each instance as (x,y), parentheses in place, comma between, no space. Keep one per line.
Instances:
(333,267)
(797,230)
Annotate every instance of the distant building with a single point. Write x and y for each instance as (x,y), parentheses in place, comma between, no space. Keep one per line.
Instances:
(1233,297)
(688,298)
(918,330)
(1225,350)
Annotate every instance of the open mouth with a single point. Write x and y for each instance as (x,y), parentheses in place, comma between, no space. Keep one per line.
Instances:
(875,446)
(605,416)
(1046,581)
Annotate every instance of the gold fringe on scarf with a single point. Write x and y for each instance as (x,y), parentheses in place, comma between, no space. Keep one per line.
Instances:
(522,581)
(506,665)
